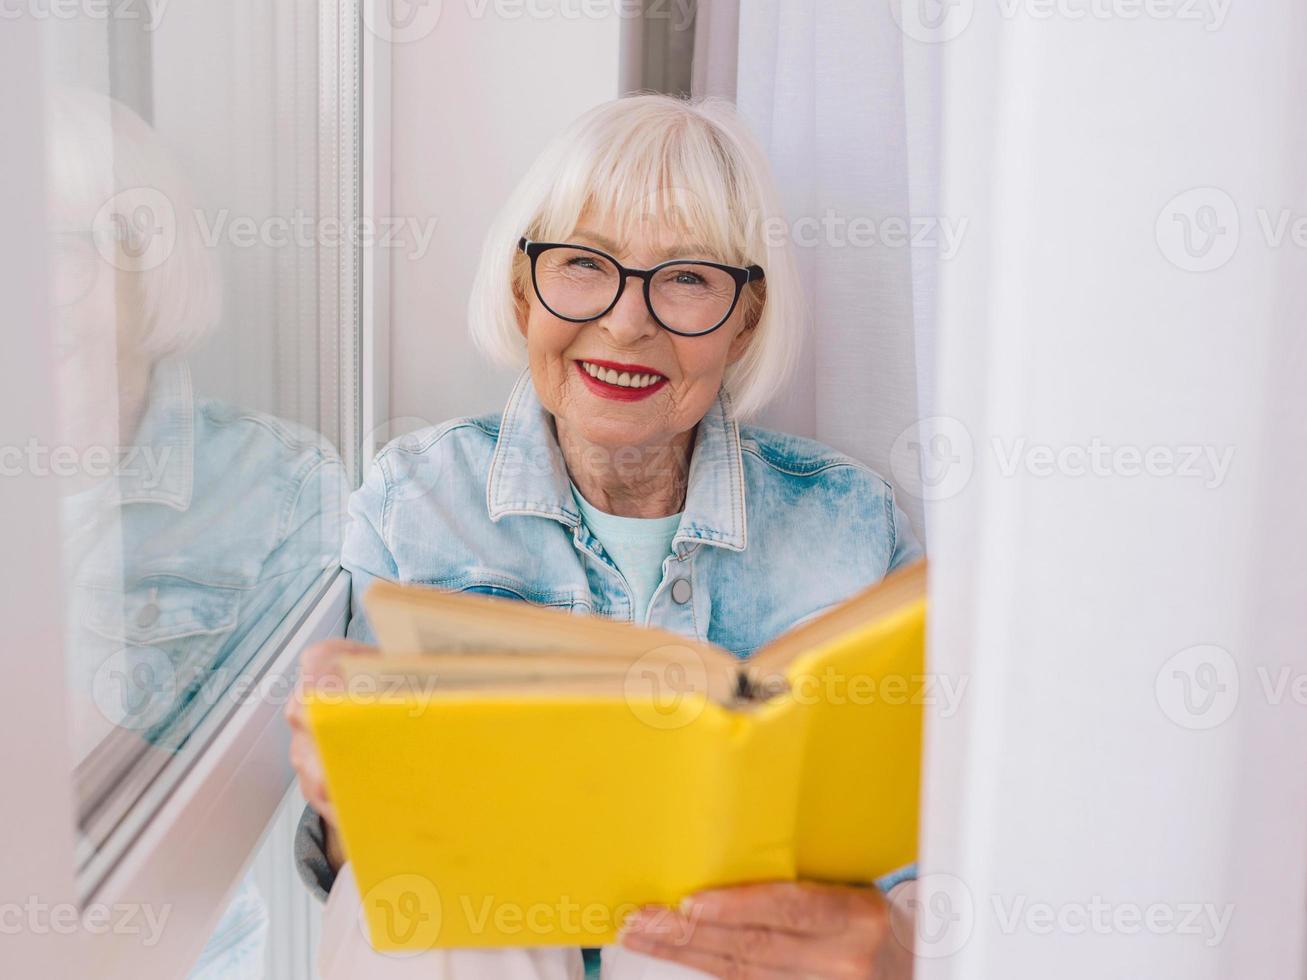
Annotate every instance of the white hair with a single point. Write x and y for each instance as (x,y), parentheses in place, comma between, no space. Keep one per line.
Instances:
(106,162)
(694,160)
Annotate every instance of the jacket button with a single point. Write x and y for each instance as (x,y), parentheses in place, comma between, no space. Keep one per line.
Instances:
(681,591)
(148,615)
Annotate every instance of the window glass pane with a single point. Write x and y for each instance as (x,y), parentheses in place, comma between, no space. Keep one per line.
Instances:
(205,327)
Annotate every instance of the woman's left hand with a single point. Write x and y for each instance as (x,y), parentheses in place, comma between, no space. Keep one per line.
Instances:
(774,930)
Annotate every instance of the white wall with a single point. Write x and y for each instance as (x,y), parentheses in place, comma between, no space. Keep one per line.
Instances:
(474,101)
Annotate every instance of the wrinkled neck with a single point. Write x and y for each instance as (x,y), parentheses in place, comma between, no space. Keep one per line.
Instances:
(629,481)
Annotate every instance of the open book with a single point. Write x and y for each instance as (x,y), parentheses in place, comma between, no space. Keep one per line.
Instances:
(510,775)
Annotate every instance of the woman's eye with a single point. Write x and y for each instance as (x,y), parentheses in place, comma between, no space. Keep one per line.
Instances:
(689,279)
(583,263)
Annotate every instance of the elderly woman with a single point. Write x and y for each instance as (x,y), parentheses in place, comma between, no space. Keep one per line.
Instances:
(632,273)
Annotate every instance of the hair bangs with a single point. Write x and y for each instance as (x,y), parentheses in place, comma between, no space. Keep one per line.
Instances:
(655,183)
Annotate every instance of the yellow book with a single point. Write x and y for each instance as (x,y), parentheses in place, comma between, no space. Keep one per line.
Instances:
(509,775)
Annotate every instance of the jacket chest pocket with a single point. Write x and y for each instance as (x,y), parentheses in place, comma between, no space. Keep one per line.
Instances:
(149,648)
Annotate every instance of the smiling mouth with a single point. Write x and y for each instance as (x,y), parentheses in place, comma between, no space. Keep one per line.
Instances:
(619,382)
(636,379)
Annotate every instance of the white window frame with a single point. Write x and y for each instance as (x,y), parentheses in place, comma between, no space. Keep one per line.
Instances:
(375,172)
(34,749)
(189,856)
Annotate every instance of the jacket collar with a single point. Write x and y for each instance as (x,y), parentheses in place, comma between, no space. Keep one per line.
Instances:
(527,474)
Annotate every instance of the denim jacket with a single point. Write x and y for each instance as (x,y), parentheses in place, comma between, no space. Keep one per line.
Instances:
(215,524)
(775,529)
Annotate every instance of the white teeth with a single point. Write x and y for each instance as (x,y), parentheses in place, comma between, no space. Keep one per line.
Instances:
(623,379)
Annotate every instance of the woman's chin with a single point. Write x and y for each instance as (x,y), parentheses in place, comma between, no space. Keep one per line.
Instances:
(614,434)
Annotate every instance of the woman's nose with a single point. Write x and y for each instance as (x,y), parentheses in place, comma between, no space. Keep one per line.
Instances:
(630,320)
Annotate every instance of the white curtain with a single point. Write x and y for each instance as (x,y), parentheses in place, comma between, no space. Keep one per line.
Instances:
(1122,573)
(1115,459)
(848,114)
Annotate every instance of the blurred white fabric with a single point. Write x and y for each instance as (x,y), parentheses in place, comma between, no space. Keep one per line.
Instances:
(345,954)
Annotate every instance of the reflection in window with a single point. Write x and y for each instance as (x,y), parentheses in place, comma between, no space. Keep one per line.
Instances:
(193,526)
(202,396)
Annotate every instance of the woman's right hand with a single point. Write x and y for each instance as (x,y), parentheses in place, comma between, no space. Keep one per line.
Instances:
(320,668)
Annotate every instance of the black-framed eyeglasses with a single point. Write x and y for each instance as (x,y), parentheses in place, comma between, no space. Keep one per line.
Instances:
(685,296)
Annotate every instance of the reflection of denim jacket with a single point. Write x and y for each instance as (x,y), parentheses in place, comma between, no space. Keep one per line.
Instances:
(216,523)
(775,527)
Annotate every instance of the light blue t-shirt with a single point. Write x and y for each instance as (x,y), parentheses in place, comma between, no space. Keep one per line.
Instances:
(637,546)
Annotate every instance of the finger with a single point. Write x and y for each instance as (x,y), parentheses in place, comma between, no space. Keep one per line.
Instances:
(305,760)
(293,712)
(312,782)
(798,907)
(313,790)
(710,963)
(747,945)
(314,794)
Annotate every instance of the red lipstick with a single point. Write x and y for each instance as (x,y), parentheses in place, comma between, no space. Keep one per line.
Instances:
(617,392)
